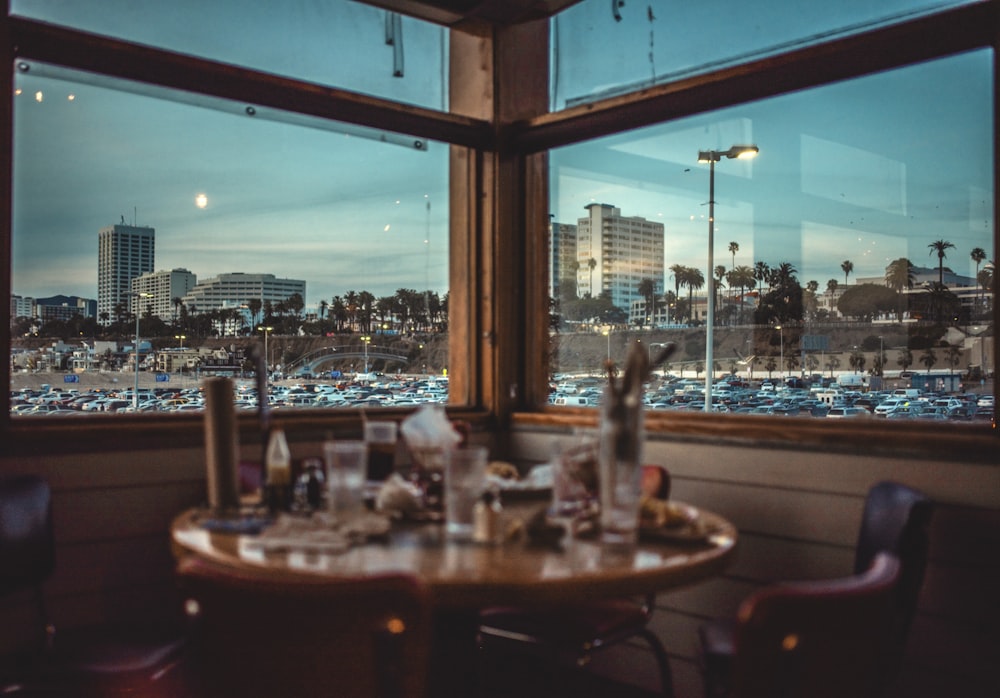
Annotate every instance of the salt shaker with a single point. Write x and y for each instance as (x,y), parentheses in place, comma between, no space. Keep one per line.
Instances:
(486,518)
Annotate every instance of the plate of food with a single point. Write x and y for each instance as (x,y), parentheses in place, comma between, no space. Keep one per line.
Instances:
(671,521)
(506,478)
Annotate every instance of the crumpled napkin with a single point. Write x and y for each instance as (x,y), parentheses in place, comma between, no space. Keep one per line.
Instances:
(428,431)
(398,497)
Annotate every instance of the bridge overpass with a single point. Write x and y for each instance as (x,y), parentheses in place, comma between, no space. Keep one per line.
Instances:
(312,361)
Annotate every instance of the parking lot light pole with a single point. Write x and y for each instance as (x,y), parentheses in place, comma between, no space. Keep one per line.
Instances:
(366,340)
(742,152)
(135,389)
(267,357)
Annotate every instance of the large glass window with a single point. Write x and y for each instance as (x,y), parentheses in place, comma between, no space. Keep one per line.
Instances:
(601,48)
(853,257)
(341,43)
(204,227)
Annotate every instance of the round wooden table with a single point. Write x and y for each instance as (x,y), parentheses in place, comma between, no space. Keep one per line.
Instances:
(464,575)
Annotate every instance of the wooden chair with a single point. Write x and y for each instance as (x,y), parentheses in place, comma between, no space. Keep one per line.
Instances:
(98,660)
(895,520)
(261,633)
(574,634)
(816,639)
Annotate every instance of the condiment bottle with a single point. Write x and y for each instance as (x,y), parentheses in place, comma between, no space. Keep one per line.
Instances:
(279,472)
(486,518)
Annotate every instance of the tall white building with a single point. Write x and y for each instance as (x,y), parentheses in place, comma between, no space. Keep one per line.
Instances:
(562,255)
(616,253)
(160,289)
(124,252)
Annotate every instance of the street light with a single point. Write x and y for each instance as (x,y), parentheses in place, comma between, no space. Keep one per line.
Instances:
(741,152)
(180,340)
(267,357)
(781,350)
(607,333)
(366,340)
(135,390)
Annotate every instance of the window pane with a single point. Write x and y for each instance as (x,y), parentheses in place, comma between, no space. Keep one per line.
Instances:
(340,43)
(599,49)
(324,233)
(827,247)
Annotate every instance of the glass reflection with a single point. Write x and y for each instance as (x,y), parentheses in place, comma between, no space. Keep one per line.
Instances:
(852,258)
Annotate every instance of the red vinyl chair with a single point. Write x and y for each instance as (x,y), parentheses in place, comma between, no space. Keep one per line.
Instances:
(96,660)
(896,519)
(261,633)
(816,639)
(574,634)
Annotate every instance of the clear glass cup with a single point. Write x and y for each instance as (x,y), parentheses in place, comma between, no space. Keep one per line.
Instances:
(346,467)
(381,439)
(464,483)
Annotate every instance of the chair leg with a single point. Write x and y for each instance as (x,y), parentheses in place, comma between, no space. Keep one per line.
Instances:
(666,676)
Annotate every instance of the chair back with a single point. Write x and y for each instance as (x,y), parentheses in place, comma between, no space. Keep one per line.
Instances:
(27,543)
(816,639)
(266,633)
(896,520)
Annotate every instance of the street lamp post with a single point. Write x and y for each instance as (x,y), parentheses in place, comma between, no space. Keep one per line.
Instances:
(135,389)
(267,357)
(781,353)
(607,333)
(711,157)
(180,340)
(366,340)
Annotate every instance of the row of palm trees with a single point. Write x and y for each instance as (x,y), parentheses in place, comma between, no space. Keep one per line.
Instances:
(406,311)
(898,276)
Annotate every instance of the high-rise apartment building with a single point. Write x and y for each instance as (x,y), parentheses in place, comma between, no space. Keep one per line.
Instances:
(124,252)
(161,288)
(616,253)
(562,258)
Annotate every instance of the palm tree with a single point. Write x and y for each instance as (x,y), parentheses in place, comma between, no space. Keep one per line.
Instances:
(734,247)
(176,300)
(899,277)
(255,305)
(692,278)
(847,266)
(978,255)
(677,271)
(720,274)
(905,359)
(928,358)
(351,304)
(940,247)
(647,289)
(591,263)
(761,272)
(832,285)
(741,277)
(323,305)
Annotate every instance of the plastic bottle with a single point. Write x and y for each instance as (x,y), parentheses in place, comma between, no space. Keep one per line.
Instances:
(279,472)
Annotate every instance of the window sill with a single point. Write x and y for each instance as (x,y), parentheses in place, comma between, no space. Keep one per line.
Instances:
(971,443)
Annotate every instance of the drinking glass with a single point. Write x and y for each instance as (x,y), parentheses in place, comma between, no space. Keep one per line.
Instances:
(346,466)
(381,439)
(464,483)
